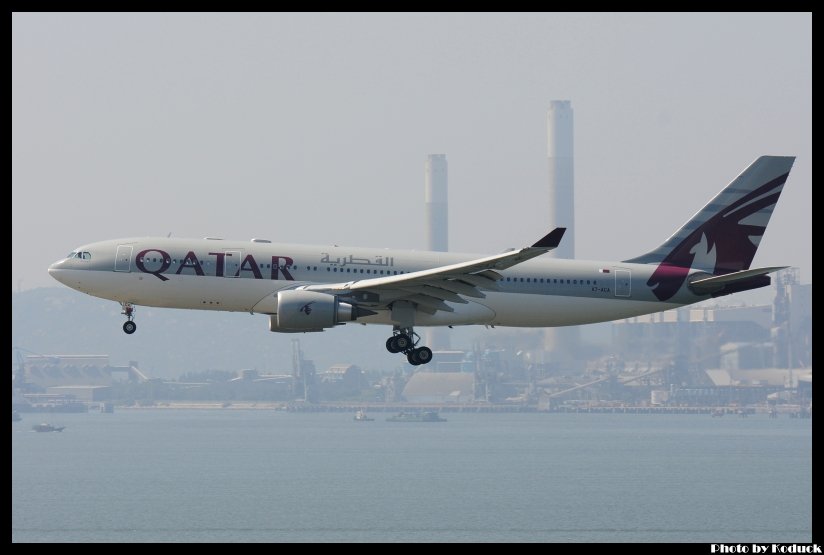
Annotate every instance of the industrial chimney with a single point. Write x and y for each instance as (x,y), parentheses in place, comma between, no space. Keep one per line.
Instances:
(435,196)
(562,342)
(561,189)
(437,226)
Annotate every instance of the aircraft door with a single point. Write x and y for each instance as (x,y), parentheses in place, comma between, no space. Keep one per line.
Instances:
(623,282)
(123,260)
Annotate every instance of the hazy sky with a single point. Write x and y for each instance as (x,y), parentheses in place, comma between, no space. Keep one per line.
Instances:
(314,128)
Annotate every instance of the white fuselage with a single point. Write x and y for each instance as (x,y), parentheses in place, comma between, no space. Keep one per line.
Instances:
(211,274)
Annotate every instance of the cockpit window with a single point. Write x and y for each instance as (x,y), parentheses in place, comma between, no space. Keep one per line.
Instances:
(83,255)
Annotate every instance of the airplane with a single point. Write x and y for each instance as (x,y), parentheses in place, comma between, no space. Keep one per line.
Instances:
(305,288)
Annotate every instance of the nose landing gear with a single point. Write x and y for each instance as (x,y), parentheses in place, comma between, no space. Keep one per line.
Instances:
(129,326)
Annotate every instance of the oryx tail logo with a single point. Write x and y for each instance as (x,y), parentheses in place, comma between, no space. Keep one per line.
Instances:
(724,237)
(307,308)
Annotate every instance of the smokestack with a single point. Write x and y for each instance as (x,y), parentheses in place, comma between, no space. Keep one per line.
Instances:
(561,189)
(435,196)
(562,342)
(437,226)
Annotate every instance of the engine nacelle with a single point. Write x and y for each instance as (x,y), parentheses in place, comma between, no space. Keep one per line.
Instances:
(299,311)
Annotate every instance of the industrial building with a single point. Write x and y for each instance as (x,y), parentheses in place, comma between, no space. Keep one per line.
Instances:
(67,383)
(440,388)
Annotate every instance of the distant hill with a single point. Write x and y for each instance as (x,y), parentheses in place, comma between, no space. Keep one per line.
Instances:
(171,342)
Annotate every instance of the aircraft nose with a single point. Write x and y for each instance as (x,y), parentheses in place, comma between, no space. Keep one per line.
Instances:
(57,271)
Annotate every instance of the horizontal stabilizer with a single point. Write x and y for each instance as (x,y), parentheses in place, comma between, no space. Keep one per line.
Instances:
(714,283)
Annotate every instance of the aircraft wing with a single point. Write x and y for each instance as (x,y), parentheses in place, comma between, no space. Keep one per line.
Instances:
(430,289)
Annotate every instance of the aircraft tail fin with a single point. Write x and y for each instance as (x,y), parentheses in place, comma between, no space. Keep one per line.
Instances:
(722,237)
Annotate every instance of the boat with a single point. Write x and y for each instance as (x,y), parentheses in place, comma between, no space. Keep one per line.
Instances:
(44,427)
(426,416)
(360,416)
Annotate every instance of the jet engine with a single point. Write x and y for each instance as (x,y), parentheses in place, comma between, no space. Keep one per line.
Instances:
(301,311)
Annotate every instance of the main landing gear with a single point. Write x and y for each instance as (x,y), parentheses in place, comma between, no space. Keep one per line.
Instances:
(129,326)
(404,340)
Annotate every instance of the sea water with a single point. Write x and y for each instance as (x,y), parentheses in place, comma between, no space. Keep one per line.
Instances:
(231,475)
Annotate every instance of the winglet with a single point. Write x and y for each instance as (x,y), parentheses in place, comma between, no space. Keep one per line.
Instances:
(551,239)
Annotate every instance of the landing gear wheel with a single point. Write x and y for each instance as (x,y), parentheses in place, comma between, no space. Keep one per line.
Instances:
(129,327)
(398,343)
(390,345)
(424,355)
(402,342)
(419,356)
